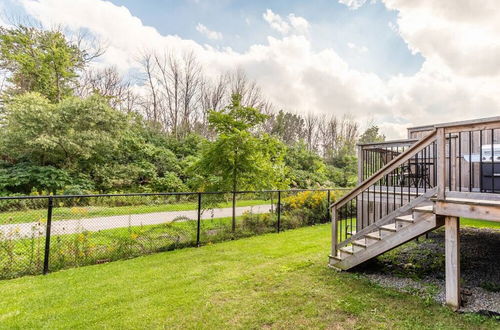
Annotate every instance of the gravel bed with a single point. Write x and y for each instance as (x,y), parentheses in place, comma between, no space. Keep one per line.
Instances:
(418,268)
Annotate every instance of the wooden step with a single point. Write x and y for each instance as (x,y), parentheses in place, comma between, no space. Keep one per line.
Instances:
(372,237)
(424,209)
(359,245)
(385,244)
(422,212)
(346,251)
(387,230)
(336,258)
(404,220)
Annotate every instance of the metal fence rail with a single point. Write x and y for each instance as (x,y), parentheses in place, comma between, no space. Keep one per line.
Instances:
(39,234)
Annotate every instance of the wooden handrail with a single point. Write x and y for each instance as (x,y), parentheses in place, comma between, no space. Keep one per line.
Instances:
(389,167)
(405,142)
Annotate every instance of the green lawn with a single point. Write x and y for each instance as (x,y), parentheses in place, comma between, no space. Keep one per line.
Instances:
(479,223)
(274,280)
(64,213)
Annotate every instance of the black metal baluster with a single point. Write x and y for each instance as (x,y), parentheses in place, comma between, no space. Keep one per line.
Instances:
(460,161)
(417,170)
(449,161)
(471,165)
(434,160)
(481,179)
(401,182)
(409,180)
(356,213)
(493,160)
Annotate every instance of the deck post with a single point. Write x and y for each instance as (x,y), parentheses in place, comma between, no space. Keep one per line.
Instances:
(334,231)
(441,163)
(360,164)
(452,256)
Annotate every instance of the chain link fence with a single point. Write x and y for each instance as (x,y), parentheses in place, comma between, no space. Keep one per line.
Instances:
(39,234)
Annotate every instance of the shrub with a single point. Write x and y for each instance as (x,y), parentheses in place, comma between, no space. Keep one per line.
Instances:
(307,208)
(258,223)
(310,205)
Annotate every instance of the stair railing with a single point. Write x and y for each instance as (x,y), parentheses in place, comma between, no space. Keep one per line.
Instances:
(403,182)
(468,153)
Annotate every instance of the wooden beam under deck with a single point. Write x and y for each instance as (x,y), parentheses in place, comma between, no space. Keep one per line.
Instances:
(469,208)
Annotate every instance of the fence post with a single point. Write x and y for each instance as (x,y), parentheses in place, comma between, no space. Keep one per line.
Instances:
(328,200)
(279,210)
(47,236)
(233,225)
(198,222)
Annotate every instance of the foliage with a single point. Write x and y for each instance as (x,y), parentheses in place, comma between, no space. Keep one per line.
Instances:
(288,127)
(22,177)
(240,159)
(39,61)
(307,169)
(371,135)
(58,135)
(343,167)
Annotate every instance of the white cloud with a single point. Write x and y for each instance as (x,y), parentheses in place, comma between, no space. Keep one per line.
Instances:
(459,79)
(276,22)
(300,24)
(360,49)
(210,34)
(292,24)
(353,4)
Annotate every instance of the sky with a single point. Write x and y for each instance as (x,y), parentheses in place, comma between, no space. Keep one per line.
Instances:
(395,63)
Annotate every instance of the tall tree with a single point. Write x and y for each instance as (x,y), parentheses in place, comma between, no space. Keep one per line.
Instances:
(39,61)
(239,159)
(371,134)
(288,127)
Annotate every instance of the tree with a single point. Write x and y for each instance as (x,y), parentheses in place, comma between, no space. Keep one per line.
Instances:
(306,168)
(288,127)
(239,158)
(371,135)
(39,61)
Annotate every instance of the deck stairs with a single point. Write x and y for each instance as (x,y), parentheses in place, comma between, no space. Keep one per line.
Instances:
(402,229)
(400,217)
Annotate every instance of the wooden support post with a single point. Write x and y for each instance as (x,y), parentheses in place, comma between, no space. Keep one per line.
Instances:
(360,164)
(452,252)
(441,163)
(334,232)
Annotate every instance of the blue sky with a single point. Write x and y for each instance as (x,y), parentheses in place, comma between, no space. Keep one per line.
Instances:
(331,57)
(332,25)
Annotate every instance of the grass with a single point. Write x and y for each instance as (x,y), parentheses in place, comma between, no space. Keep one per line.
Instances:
(64,213)
(479,223)
(25,256)
(268,281)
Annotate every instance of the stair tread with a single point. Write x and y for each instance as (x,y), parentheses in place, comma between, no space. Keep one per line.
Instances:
(337,257)
(347,249)
(360,242)
(374,235)
(390,227)
(407,218)
(427,208)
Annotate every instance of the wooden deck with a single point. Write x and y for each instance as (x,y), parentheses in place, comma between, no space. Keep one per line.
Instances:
(440,174)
